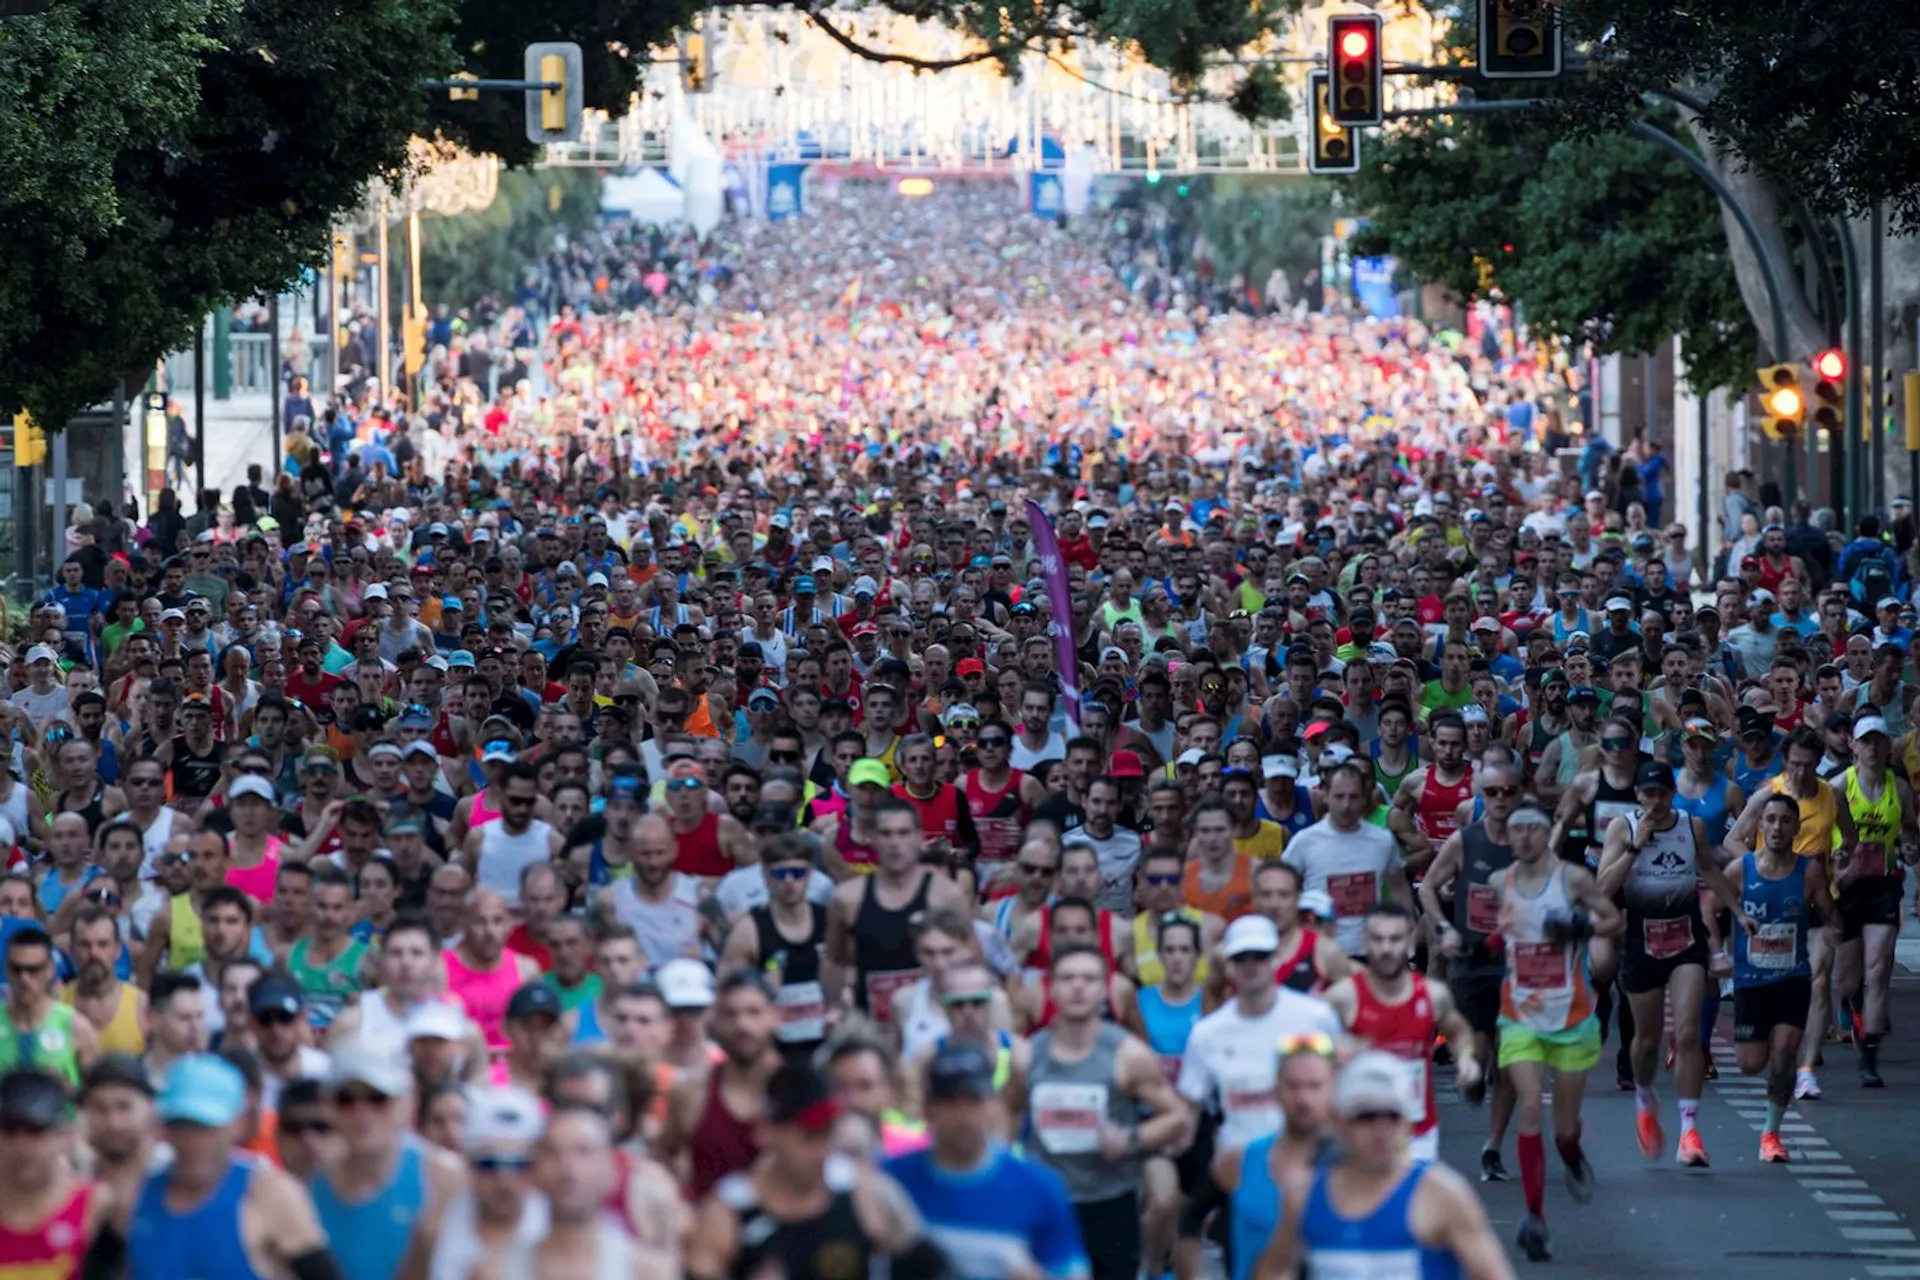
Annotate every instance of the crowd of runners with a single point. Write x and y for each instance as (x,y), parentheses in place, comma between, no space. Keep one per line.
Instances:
(664,811)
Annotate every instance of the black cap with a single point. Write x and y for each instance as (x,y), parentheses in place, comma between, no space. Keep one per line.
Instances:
(1652,773)
(274,994)
(116,1069)
(960,1071)
(368,720)
(751,649)
(534,1000)
(33,1098)
(798,1095)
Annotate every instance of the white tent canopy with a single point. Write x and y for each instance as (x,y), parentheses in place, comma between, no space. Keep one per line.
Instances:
(646,196)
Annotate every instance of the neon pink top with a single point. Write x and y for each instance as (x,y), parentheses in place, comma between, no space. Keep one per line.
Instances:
(257,881)
(485,993)
(481,813)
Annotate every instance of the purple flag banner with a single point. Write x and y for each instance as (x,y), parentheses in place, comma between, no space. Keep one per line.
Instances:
(1053,572)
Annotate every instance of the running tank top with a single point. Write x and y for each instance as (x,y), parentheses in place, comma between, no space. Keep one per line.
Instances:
(1877,824)
(999,817)
(47,1047)
(484,993)
(1662,885)
(1750,778)
(1067,1105)
(1609,802)
(721,1142)
(93,810)
(883,949)
(1476,896)
(1818,813)
(831,1245)
(1777,951)
(939,812)
(1168,1025)
(457,1249)
(369,1238)
(698,853)
(1231,901)
(122,1034)
(51,1250)
(1301,970)
(1405,1030)
(1388,780)
(859,857)
(1439,803)
(923,1024)
(327,987)
(801,999)
(1710,806)
(1253,1210)
(186,944)
(258,882)
(615,1254)
(504,856)
(1546,987)
(1380,1246)
(203,1242)
(481,811)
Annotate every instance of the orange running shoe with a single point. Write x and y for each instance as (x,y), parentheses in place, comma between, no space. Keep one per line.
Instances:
(1652,1138)
(1692,1153)
(1772,1150)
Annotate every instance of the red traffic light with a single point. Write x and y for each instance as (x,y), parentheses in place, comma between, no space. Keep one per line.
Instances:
(1831,363)
(1355,43)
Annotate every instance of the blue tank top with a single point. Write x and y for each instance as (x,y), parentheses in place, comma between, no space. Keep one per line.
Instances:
(1562,632)
(370,1239)
(1751,779)
(1168,1025)
(1778,950)
(1710,808)
(586,1027)
(162,1245)
(1381,1244)
(1254,1208)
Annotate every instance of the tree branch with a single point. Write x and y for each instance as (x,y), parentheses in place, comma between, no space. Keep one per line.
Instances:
(854,47)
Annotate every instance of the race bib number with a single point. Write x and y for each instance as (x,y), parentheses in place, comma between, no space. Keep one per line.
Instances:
(1353,895)
(1248,1095)
(1869,858)
(1772,946)
(1539,966)
(803,1011)
(1068,1117)
(1667,938)
(881,988)
(1342,1264)
(1483,908)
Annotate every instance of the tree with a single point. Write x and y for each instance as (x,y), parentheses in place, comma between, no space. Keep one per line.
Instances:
(1254,223)
(485,252)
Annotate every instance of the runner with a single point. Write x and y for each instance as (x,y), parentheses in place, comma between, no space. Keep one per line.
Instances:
(784,939)
(1253,1175)
(1351,860)
(869,922)
(1549,910)
(47,1215)
(1868,879)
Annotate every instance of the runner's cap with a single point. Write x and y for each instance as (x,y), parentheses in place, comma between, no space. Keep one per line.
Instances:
(274,994)
(33,1099)
(959,1071)
(436,1020)
(798,1095)
(202,1089)
(869,772)
(1619,604)
(502,1115)
(1698,728)
(1870,724)
(1282,766)
(116,1069)
(1317,903)
(249,785)
(1250,934)
(366,1062)
(1653,774)
(685,984)
(1374,1082)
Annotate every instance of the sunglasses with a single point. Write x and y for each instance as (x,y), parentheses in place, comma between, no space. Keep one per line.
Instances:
(1030,869)
(1499,793)
(23,1128)
(353,1098)
(991,742)
(1376,1117)
(1317,1043)
(276,1018)
(685,784)
(790,874)
(500,1164)
(965,998)
(1615,744)
(783,757)
(317,1126)
(1163,882)
(1251,957)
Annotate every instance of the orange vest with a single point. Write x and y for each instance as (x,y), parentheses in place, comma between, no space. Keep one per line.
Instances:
(1230,902)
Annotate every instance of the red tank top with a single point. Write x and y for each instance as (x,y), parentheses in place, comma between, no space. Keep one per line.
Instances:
(1042,957)
(858,857)
(1300,971)
(1000,817)
(939,812)
(697,852)
(53,1248)
(442,737)
(1406,1031)
(1772,575)
(1437,805)
(720,1144)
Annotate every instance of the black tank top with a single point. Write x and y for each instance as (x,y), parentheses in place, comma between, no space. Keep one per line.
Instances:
(1609,802)
(798,964)
(1476,903)
(92,810)
(832,1245)
(195,776)
(883,939)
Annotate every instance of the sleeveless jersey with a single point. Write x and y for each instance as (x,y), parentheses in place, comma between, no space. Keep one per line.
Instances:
(1231,901)
(1818,813)
(1168,1025)
(831,1245)
(163,1245)
(1301,970)
(999,817)
(1546,987)
(883,953)
(939,812)
(1750,778)
(1663,882)
(1146,950)
(1710,806)
(1877,822)
(1254,1206)
(51,1250)
(1380,1246)
(1777,951)
(801,999)
(1476,897)
(1438,802)
(1609,802)
(484,993)
(328,986)
(1405,1030)
(859,857)
(47,1047)
(369,1238)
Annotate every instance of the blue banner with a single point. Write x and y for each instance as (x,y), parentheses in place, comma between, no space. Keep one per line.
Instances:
(1046,198)
(786,191)
(1373,286)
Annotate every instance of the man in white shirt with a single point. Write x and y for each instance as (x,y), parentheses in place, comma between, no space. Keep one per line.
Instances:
(1349,859)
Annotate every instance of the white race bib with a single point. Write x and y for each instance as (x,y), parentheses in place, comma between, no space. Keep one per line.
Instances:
(1349,1264)
(1772,946)
(1068,1117)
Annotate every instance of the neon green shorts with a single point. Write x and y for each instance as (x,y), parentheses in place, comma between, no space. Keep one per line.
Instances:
(1575,1049)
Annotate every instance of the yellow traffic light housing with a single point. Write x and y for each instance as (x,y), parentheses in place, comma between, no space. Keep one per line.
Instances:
(29,441)
(1783,402)
(1331,146)
(413,331)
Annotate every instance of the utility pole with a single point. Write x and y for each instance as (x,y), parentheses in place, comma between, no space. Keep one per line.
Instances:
(384,322)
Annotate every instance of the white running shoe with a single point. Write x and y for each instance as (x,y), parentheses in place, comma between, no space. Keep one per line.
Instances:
(1805,1086)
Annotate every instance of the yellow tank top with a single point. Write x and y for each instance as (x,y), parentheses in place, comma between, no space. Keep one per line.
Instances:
(1877,822)
(1146,952)
(1817,819)
(1266,843)
(185,943)
(122,1033)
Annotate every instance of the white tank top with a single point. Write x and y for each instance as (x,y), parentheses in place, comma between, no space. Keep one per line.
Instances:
(503,857)
(925,1024)
(615,1257)
(667,930)
(1546,986)
(458,1250)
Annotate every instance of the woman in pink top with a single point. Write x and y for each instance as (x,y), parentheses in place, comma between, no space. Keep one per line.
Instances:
(482,974)
(255,867)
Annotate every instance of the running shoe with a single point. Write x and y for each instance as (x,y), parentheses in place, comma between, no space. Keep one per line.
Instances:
(1870,1078)
(1772,1150)
(1647,1128)
(1580,1180)
(1713,1071)
(1692,1153)
(1492,1169)
(1533,1239)
(1805,1086)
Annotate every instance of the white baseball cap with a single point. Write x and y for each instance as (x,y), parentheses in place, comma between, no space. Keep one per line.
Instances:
(1250,933)
(1373,1082)
(685,984)
(502,1114)
(249,785)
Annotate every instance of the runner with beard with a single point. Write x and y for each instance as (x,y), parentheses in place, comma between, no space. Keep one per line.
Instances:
(116,1009)
(710,1128)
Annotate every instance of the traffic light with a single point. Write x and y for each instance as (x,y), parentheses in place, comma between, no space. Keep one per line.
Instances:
(457,94)
(553,113)
(29,441)
(1875,415)
(1354,68)
(1910,392)
(1331,146)
(1519,39)
(1783,404)
(413,340)
(1830,391)
(696,63)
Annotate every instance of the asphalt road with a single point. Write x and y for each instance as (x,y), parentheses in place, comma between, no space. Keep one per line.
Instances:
(1844,1209)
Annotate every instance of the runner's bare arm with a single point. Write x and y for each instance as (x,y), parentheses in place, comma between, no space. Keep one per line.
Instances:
(1716,879)
(836,958)
(743,946)
(1572,800)
(1139,1073)
(1583,890)
(1740,834)
(1446,865)
(1616,857)
(1448,1214)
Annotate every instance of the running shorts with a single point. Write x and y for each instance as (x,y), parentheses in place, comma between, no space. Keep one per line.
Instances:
(1757,1010)
(1575,1049)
